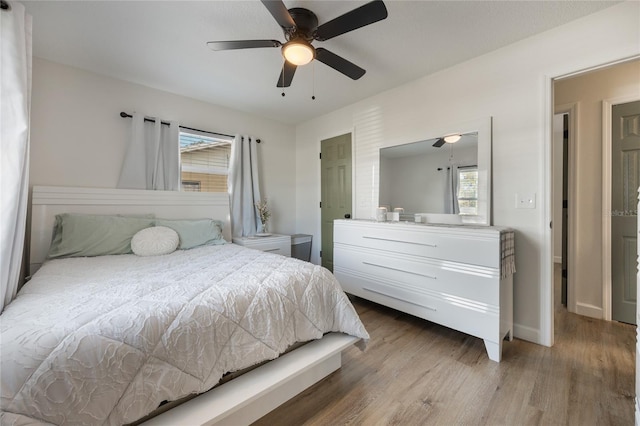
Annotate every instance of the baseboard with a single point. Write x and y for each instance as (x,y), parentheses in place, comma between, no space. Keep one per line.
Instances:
(557,259)
(529,334)
(589,310)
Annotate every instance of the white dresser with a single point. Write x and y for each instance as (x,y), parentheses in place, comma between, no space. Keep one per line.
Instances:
(274,243)
(454,275)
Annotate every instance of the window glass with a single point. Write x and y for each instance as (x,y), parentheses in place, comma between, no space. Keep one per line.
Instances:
(468,190)
(204,162)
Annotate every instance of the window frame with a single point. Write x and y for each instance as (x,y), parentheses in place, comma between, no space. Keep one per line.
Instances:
(467,169)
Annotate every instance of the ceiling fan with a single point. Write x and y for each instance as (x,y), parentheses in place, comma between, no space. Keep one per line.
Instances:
(300,27)
(453,138)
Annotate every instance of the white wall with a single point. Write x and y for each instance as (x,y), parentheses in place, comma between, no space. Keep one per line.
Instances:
(513,85)
(79,139)
(588,91)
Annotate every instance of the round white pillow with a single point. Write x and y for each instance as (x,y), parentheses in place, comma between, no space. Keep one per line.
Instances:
(155,241)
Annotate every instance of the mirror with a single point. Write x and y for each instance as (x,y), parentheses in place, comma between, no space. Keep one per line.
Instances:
(445,183)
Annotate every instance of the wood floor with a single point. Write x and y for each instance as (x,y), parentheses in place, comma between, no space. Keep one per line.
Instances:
(416,372)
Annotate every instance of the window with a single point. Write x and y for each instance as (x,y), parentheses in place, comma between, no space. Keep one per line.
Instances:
(468,190)
(204,162)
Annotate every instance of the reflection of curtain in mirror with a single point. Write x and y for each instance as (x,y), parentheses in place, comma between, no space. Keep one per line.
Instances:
(451,190)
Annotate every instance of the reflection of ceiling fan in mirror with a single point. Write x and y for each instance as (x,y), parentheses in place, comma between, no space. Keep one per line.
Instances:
(447,139)
(301,28)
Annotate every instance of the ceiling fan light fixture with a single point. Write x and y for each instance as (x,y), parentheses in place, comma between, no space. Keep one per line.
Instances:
(298,52)
(452,138)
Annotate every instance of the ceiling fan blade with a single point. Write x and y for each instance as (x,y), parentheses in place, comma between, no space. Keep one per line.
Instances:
(339,64)
(280,13)
(364,15)
(242,44)
(439,143)
(286,75)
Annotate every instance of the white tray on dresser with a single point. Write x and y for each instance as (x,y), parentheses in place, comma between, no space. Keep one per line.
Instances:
(447,274)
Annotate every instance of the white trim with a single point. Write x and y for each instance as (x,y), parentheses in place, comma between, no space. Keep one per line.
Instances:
(596,68)
(256,393)
(547,335)
(573,109)
(529,334)
(607,105)
(589,310)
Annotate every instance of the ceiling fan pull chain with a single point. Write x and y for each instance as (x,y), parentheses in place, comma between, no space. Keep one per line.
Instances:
(313,85)
(283,79)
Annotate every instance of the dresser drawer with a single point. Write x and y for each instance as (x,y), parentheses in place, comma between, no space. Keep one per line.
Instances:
(475,248)
(278,244)
(470,283)
(484,324)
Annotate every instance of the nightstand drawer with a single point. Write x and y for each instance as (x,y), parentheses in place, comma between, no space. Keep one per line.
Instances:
(276,243)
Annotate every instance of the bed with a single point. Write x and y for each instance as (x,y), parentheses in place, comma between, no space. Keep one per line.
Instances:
(106,339)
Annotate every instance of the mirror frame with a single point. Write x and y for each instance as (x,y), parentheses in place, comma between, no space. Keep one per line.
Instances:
(485,137)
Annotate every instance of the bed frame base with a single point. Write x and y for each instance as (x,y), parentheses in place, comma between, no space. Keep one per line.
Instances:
(254,394)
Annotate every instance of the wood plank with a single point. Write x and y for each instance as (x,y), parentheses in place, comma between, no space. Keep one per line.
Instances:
(417,372)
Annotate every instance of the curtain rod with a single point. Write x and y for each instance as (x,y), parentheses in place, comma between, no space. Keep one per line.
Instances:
(125,115)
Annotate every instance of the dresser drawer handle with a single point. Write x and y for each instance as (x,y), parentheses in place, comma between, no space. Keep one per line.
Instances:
(401,270)
(399,241)
(400,299)
(272,249)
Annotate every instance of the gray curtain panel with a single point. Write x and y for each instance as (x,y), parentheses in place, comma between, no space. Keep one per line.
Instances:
(152,160)
(244,187)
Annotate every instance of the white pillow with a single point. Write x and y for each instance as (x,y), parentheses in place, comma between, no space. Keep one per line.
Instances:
(155,241)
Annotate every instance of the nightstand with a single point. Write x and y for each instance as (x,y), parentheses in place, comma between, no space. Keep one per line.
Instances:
(274,243)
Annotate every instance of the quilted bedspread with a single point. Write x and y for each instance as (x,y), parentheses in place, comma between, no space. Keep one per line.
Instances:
(104,340)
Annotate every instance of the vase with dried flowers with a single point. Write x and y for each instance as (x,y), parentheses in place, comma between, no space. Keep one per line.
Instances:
(264,213)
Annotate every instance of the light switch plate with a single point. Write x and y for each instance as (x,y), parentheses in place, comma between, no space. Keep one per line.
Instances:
(526,200)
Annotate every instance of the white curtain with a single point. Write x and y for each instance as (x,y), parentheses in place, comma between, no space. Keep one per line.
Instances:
(15,98)
(451,190)
(152,160)
(244,187)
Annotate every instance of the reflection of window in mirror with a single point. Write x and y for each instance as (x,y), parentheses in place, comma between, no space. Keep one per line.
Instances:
(468,190)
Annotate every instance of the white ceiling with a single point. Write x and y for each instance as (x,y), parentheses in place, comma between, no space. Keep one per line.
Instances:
(162,44)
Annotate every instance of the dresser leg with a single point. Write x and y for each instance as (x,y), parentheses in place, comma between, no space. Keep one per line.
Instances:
(494,350)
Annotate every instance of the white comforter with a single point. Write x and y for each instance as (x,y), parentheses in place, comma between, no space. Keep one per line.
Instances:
(104,340)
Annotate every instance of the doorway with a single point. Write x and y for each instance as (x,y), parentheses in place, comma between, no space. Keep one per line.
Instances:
(560,224)
(335,181)
(589,268)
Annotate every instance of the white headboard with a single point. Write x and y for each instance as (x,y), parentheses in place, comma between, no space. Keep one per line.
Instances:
(48,201)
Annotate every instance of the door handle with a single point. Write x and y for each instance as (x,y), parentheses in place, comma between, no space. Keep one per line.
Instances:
(347,216)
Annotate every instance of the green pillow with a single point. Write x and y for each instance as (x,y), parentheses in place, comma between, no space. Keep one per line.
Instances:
(195,232)
(77,235)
